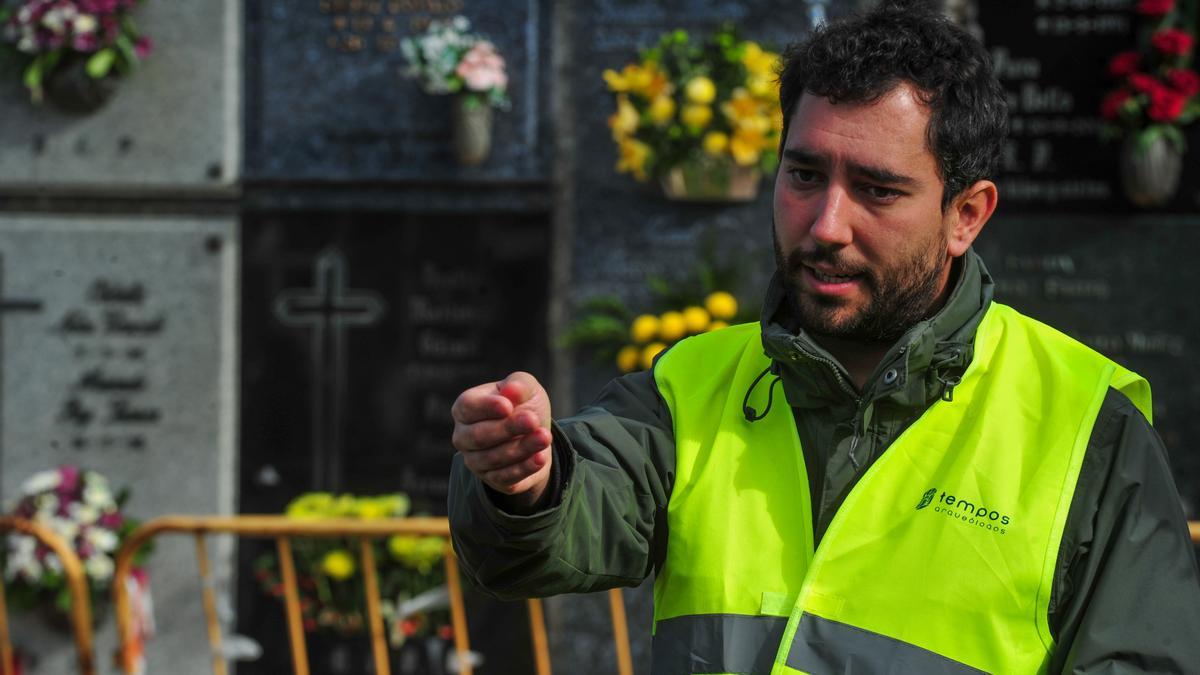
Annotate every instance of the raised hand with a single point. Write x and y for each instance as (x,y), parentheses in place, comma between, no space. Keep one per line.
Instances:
(502,430)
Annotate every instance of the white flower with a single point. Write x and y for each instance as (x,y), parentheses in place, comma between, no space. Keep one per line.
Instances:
(85,23)
(47,502)
(83,513)
(53,563)
(43,480)
(98,496)
(54,21)
(99,567)
(65,528)
(29,569)
(461,23)
(102,539)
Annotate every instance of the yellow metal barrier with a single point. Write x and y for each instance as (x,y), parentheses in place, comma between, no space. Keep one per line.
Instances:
(283,530)
(81,612)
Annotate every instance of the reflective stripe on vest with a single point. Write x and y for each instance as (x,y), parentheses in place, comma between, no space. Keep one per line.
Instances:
(941,559)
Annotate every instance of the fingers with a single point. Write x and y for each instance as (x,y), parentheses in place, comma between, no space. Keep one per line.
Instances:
(506,454)
(521,477)
(491,433)
(483,402)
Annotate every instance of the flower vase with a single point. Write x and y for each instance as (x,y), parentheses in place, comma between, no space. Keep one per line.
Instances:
(711,180)
(1150,175)
(472,129)
(70,88)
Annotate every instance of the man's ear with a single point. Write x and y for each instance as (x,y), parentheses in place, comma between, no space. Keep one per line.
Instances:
(968,213)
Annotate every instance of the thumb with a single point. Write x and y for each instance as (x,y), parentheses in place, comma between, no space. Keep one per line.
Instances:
(524,391)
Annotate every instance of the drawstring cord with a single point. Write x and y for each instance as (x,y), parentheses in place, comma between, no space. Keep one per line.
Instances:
(751,414)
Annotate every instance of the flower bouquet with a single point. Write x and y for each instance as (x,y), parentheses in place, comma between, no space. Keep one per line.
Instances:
(679,308)
(448,59)
(80,507)
(701,116)
(332,593)
(73,50)
(1156,95)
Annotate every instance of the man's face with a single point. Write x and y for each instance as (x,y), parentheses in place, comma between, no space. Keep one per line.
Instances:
(860,236)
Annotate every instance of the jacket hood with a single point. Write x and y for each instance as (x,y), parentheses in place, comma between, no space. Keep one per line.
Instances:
(923,365)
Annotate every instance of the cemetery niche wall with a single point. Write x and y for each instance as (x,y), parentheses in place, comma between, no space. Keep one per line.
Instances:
(381,278)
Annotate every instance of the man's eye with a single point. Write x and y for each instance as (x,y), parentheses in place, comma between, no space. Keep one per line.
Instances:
(804,176)
(881,193)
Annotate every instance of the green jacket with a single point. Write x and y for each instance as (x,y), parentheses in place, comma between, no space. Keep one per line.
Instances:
(1126,596)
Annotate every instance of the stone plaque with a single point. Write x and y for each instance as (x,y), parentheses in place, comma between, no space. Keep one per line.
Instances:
(1052,58)
(327,98)
(358,332)
(173,125)
(116,354)
(1123,286)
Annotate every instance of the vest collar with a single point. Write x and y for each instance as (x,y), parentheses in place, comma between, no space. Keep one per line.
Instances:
(927,360)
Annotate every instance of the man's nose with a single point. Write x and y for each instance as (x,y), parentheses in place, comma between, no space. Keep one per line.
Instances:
(831,226)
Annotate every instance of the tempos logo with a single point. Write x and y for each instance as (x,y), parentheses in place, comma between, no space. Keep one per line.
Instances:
(965,511)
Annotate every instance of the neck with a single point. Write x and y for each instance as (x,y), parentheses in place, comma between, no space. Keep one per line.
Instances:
(858,358)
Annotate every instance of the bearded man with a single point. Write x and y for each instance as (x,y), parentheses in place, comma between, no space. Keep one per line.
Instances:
(947,487)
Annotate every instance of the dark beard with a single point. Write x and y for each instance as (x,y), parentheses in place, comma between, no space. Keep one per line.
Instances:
(898,300)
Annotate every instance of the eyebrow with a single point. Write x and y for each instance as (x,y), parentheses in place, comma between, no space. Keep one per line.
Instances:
(875,173)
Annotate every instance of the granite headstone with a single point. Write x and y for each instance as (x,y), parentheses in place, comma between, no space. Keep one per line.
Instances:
(116,354)
(173,125)
(327,99)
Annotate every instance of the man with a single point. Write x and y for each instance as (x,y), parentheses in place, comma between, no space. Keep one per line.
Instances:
(950,487)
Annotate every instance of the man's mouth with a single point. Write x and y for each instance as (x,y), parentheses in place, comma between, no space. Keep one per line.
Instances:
(832,278)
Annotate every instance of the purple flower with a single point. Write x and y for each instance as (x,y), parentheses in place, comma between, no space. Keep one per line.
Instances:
(85,42)
(69,478)
(111,521)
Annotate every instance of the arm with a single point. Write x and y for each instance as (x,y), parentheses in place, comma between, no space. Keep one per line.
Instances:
(1126,596)
(602,517)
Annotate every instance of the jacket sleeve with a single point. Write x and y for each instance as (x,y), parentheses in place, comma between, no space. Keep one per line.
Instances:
(606,523)
(1127,591)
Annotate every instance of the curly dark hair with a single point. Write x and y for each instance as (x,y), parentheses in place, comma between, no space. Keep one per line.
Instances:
(863,57)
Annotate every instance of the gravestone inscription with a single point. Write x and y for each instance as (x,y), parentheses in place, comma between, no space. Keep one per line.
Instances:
(327,98)
(358,332)
(116,355)
(1052,58)
(1116,285)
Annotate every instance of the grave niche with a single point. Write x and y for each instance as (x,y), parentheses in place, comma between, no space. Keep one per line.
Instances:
(358,332)
(327,99)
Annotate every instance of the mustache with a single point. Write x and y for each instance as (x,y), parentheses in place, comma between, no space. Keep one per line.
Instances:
(828,258)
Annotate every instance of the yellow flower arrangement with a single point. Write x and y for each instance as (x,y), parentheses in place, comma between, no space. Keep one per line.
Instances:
(688,101)
(329,579)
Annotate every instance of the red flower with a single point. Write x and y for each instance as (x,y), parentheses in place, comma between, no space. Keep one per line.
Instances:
(1186,82)
(1144,83)
(1166,105)
(446,632)
(1125,63)
(1111,107)
(1155,7)
(1172,42)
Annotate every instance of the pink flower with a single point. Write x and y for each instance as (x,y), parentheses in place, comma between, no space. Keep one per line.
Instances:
(1124,63)
(142,47)
(1155,7)
(1184,81)
(111,521)
(482,69)
(84,42)
(1110,109)
(1172,42)
(68,478)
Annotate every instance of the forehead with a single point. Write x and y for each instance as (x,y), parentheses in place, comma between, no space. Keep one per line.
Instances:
(889,132)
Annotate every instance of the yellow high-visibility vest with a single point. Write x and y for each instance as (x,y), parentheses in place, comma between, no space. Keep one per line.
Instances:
(941,558)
